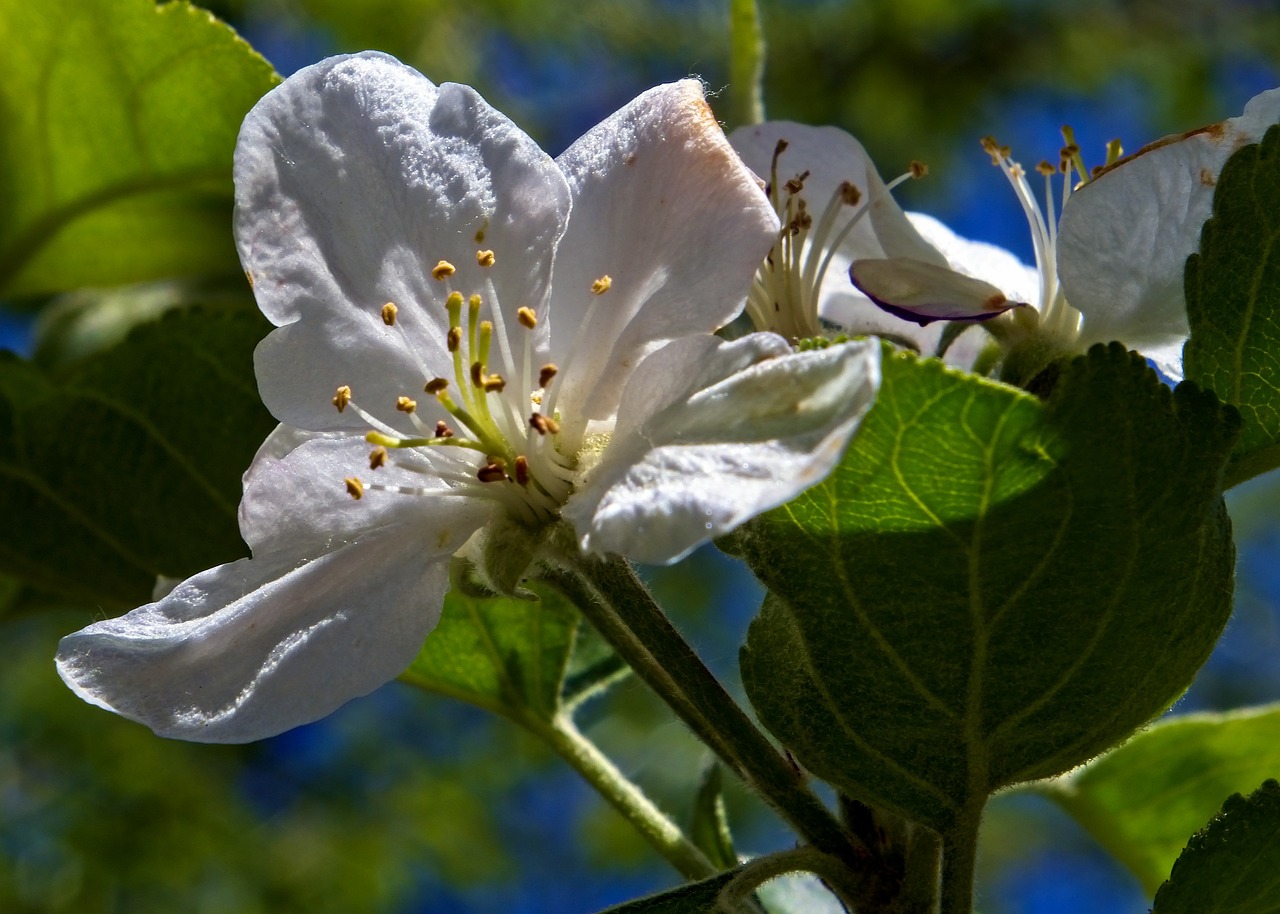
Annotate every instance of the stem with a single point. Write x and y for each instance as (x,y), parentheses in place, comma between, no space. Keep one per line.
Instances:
(838,878)
(959,856)
(597,770)
(746,62)
(626,615)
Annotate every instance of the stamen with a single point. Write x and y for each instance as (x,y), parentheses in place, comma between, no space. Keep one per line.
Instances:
(602,285)
(341,397)
(1072,151)
(405,405)
(355,488)
(1114,151)
(546,374)
(485,258)
(493,471)
(849,193)
(477,374)
(522,470)
(443,270)
(389,311)
(443,430)
(544,425)
(917,169)
(434,386)
(377,457)
(493,383)
(454,339)
(527,318)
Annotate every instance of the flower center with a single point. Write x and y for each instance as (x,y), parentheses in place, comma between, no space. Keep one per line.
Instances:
(784,295)
(494,439)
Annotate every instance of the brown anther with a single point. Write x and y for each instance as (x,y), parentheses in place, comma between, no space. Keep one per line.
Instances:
(389,311)
(779,148)
(544,425)
(849,193)
(493,383)
(918,169)
(492,472)
(527,318)
(1046,169)
(546,374)
(355,488)
(1097,170)
(341,397)
(796,184)
(485,258)
(434,386)
(990,145)
(601,285)
(1069,151)
(522,470)
(442,270)
(454,339)
(443,430)
(477,374)
(405,405)
(377,458)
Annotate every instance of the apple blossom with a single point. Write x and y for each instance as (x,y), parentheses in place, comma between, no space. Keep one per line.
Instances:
(475,344)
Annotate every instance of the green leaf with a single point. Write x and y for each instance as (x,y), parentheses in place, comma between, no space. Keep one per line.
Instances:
(503,654)
(710,827)
(128,465)
(692,898)
(1141,800)
(1233,302)
(1232,866)
(120,119)
(981,594)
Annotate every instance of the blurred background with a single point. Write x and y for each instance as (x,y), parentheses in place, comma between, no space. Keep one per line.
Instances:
(408,803)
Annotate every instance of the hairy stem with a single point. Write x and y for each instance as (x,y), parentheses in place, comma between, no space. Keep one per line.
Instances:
(959,856)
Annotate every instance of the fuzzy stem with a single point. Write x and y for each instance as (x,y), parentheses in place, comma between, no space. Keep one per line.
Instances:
(959,857)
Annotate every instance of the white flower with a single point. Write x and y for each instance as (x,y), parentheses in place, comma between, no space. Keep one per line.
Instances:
(1109,269)
(458,359)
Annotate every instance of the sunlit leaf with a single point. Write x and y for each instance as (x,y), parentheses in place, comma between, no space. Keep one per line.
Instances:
(120,119)
(982,594)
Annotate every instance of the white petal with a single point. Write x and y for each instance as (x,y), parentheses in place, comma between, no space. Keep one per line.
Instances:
(251,649)
(711,433)
(1125,236)
(663,206)
(356,176)
(981,260)
(924,292)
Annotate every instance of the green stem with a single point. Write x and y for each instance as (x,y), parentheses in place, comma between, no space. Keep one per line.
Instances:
(662,834)
(842,882)
(626,615)
(959,856)
(746,62)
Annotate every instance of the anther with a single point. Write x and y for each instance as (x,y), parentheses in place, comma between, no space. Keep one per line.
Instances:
(435,385)
(454,339)
(918,169)
(492,472)
(522,470)
(389,311)
(443,430)
(442,270)
(1114,151)
(796,184)
(493,383)
(1046,169)
(849,193)
(527,318)
(485,258)
(355,488)
(601,285)
(477,374)
(405,405)
(546,374)
(544,425)
(377,457)
(342,397)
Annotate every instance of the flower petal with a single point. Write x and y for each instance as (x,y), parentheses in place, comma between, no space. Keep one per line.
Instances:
(924,292)
(663,206)
(251,649)
(356,176)
(1125,236)
(711,433)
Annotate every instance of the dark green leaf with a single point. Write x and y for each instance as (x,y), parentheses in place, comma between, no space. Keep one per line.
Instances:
(1231,866)
(693,898)
(503,654)
(1233,302)
(128,465)
(120,119)
(1140,801)
(989,589)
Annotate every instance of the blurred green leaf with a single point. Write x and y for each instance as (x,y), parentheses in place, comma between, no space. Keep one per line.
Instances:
(120,122)
(127,465)
(710,827)
(1141,800)
(502,654)
(981,593)
(693,898)
(1233,302)
(1232,866)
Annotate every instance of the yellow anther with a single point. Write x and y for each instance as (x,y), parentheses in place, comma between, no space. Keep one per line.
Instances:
(544,425)
(442,270)
(527,318)
(355,488)
(601,285)
(849,193)
(485,258)
(377,457)
(389,311)
(477,374)
(493,471)
(405,405)
(454,339)
(546,374)
(918,169)
(493,383)
(443,430)
(522,470)
(1046,169)
(434,386)
(341,397)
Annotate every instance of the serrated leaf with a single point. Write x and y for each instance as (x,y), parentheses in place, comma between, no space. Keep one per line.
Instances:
(1233,301)
(692,898)
(1142,800)
(990,589)
(503,654)
(1232,866)
(128,465)
(120,119)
